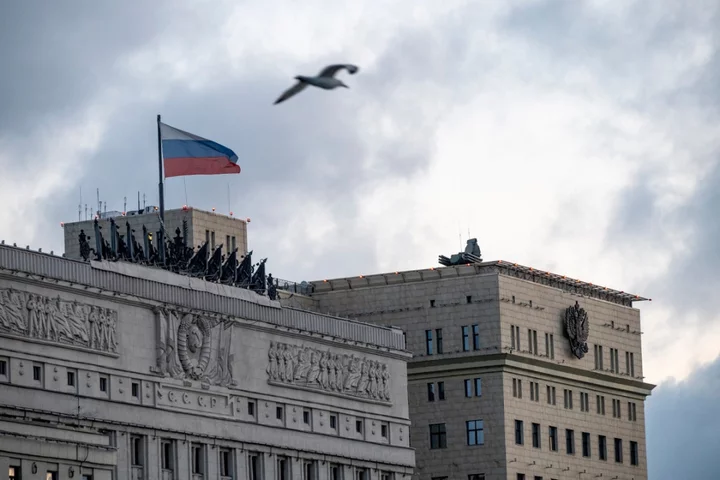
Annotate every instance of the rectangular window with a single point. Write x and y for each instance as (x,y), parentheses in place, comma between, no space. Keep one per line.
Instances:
(549,346)
(475,432)
(333,422)
(520,476)
(168,455)
(570,441)
(550,395)
(103,384)
(359,426)
(428,342)
(602,447)
(212,240)
(468,389)
(568,397)
(135,389)
(466,338)
(383,431)
(532,341)
(600,404)
(476,476)
(632,412)
(476,336)
(632,365)
(618,450)
(536,435)
(226,463)
(431,392)
(441,390)
(306,417)
(438,436)
(207,236)
(439,340)
(254,466)
(512,336)
(227,242)
(137,457)
(515,337)
(553,439)
(279,413)
(71,379)
(37,373)
(233,243)
(517,388)
(478,387)
(51,475)
(634,453)
(519,432)
(586,444)
(335,472)
(251,408)
(309,470)
(535,391)
(283,468)
(198,459)
(584,402)
(361,474)
(598,357)
(3,367)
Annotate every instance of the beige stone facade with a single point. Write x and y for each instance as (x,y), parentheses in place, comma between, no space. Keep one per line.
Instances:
(537,411)
(203,226)
(119,371)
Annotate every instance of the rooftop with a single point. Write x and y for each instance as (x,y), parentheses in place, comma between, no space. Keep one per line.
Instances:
(500,267)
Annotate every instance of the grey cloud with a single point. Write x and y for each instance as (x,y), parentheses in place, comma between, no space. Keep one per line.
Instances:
(682,424)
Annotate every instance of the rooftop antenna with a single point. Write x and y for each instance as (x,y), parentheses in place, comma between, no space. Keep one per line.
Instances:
(138,201)
(105,205)
(143,201)
(86,215)
(80,206)
(99,202)
(124,205)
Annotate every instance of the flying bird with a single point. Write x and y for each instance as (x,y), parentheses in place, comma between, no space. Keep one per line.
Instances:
(325,80)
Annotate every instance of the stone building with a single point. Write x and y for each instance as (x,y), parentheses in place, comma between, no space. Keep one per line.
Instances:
(203,226)
(517,373)
(121,371)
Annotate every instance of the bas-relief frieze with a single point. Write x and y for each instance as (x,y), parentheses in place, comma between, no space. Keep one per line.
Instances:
(193,346)
(577,329)
(310,368)
(52,319)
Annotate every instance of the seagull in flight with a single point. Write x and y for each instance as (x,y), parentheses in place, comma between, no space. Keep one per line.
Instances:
(325,80)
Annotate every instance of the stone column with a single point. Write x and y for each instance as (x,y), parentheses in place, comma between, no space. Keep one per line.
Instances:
(240,465)
(153,460)
(212,462)
(122,441)
(269,461)
(184,465)
(323,471)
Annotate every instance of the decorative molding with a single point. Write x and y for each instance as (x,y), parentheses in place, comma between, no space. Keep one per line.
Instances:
(193,346)
(339,374)
(53,320)
(174,397)
(577,329)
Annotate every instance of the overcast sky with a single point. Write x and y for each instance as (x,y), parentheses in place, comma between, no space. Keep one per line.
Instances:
(577,137)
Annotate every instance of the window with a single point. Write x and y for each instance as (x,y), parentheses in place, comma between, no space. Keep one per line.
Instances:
(71,379)
(630,364)
(553,439)
(586,444)
(634,453)
(333,421)
(602,447)
(431,392)
(600,400)
(254,466)
(383,431)
(438,436)
(361,474)
(515,337)
(233,243)
(568,396)
(14,473)
(227,242)
(519,440)
(570,441)
(468,389)
(476,476)
(103,384)
(168,455)
(598,357)
(226,464)
(207,236)
(468,299)
(535,391)
(51,475)
(478,387)
(618,450)
(536,435)
(550,395)
(3,367)
(309,470)
(279,413)
(306,417)
(466,338)
(359,426)
(476,336)
(517,388)
(212,240)
(335,472)
(428,342)
(432,303)
(520,476)
(532,341)
(441,390)
(251,408)
(439,340)
(616,408)
(632,412)
(283,467)
(137,457)
(549,345)
(614,363)
(584,402)
(198,459)
(37,373)
(135,389)
(475,432)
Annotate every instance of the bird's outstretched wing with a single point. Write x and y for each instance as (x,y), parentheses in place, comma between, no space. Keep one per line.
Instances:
(331,70)
(294,90)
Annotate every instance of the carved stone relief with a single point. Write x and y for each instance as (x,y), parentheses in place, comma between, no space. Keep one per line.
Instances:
(45,318)
(577,329)
(194,347)
(323,370)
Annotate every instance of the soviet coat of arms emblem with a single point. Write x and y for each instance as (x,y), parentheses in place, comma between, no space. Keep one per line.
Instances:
(577,328)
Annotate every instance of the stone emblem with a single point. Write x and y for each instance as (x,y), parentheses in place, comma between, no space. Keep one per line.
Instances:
(44,318)
(194,347)
(344,374)
(577,328)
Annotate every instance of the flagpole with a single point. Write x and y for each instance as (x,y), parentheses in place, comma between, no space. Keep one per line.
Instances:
(161,194)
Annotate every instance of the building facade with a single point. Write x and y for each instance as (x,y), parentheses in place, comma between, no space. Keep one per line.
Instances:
(517,373)
(121,371)
(203,226)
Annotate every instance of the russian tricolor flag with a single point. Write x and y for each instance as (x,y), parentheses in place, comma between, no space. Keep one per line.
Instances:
(188,154)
